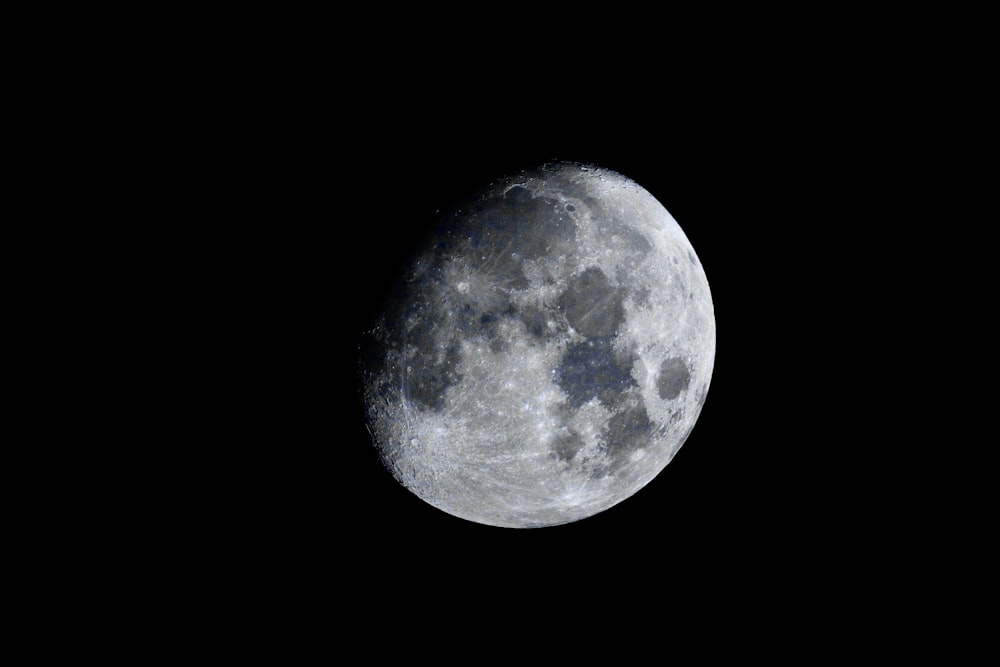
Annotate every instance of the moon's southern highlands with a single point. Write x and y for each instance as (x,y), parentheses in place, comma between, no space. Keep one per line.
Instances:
(546,353)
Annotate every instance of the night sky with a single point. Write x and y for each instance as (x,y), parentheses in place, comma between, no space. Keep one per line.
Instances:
(335,204)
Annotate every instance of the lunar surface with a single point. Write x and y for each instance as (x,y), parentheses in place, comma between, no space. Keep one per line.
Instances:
(546,354)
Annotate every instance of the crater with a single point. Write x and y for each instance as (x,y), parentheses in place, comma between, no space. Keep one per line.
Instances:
(674,378)
(592,305)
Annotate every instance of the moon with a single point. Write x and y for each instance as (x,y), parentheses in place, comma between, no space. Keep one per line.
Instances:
(546,353)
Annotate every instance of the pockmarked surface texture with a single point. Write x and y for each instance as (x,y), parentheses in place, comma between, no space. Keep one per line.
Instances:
(547,352)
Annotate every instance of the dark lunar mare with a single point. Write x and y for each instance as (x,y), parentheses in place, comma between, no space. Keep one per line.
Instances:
(628,431)
(674,378)
(496,233)
(591,369)
(592,305)
(566,444)
(427,318)
(407,349)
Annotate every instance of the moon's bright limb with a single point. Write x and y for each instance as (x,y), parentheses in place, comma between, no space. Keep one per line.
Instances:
(546,355)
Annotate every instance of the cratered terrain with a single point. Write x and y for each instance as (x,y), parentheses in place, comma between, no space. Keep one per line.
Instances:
(546,352)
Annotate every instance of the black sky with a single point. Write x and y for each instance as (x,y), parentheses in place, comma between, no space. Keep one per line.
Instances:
(304,169)
(741,486)
(345,183)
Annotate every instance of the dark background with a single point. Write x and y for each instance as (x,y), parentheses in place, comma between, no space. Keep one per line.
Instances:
(325,183)
(297,162)
(746,497)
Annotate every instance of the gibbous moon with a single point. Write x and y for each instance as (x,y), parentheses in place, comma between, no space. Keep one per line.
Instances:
(546,353)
